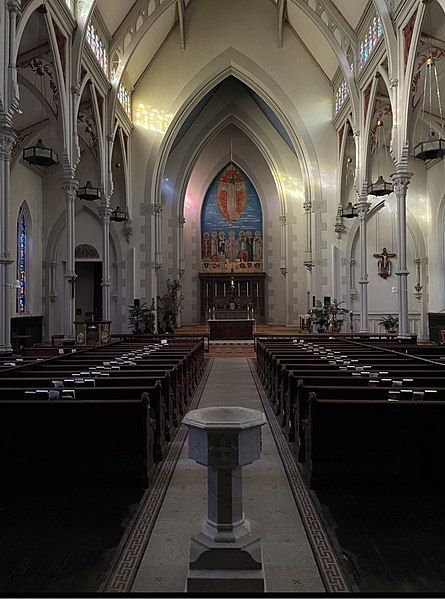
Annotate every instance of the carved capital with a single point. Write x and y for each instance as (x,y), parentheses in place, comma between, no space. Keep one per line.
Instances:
(69,187)
(401,181)
(283,219)
(362,209)
(181,221)
(283,271)
(75,90)
(157,208)
(308,264)
(8,140)
(307,205)
(14,7)
(128,230)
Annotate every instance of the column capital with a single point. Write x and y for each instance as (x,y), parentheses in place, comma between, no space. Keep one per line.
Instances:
(105,212)
(307,205)
(283,219)
(362,207)
(401,181)
(8,139)
(181,221)
(70,187)
(14,7)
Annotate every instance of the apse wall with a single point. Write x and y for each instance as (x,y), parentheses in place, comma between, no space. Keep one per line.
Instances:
(220,44)
(274,170)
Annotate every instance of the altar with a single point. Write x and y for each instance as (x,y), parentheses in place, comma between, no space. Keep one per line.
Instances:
(235,328)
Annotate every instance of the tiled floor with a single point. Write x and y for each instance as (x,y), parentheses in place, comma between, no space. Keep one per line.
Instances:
(288,560)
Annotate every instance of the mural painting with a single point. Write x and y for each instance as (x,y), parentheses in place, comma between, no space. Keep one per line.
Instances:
(231,224)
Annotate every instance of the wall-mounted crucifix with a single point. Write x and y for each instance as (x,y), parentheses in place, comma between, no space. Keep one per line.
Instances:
(384,263)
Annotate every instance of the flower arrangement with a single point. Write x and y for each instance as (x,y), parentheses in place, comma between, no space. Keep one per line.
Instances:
(326,316)
(170,303)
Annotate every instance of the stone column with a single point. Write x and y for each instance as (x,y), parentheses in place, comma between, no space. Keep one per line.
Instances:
(401,181)
(181,259)
(362,208)
(308,252)
(157,208)
(69,187)
(7,142)
(105,212)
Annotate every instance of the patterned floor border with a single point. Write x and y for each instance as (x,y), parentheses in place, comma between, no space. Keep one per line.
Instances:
(123,575)
(329,568)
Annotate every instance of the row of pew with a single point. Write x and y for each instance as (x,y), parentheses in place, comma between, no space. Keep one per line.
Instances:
(100,412)
(353,409)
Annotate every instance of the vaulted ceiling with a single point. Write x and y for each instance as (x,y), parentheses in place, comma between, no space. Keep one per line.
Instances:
(113,14)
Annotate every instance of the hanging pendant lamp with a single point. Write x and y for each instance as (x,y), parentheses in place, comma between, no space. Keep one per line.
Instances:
(380,187)
(119,216)
(433,145)
(89,193)
(40,155)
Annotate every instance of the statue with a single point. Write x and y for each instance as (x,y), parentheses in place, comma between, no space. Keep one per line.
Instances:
(384,263)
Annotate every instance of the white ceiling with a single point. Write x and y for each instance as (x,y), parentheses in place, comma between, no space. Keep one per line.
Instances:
(114,11)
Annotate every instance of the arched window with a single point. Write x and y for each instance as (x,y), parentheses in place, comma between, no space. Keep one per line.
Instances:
(22,261)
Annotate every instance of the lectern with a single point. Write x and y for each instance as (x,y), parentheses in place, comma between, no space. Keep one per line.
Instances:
(92,332)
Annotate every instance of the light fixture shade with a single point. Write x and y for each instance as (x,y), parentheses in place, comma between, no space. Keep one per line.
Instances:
(89,193)
(119,216)
(380,187)
(349,211)
(40,155)
(431,148)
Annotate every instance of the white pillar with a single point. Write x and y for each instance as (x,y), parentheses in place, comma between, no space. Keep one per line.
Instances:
(401,181)
(181,260)
(308,252)
(105,212)
(362,208)
(7,142)
(69,187)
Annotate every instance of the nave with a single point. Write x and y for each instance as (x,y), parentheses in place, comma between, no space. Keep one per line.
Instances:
(84,534)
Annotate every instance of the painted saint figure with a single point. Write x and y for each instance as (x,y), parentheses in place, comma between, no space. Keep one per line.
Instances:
(221,244)
(206,246)
(214,246)
(232,246)
(242,247)
(257,247)
(249,246)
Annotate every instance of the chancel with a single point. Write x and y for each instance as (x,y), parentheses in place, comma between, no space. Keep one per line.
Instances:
(236,209)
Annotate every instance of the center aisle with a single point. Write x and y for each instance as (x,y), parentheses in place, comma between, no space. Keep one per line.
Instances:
(289,563)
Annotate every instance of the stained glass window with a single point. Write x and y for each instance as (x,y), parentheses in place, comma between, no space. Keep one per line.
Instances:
(125,99)
(21,262)
(370,39)
(98,47)
(341,95)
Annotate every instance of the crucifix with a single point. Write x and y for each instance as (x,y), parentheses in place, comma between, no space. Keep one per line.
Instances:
(384,263)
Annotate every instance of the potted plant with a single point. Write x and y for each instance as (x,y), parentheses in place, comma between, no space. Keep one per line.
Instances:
(149,318)
(390,323)
(326,316)
(170,304)
(319,316)
(136,317)
(141,316)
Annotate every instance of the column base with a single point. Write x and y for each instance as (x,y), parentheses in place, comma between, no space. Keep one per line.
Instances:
(226,567)
(6,350)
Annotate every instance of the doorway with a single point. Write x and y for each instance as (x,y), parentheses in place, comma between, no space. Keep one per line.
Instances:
(88,290)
